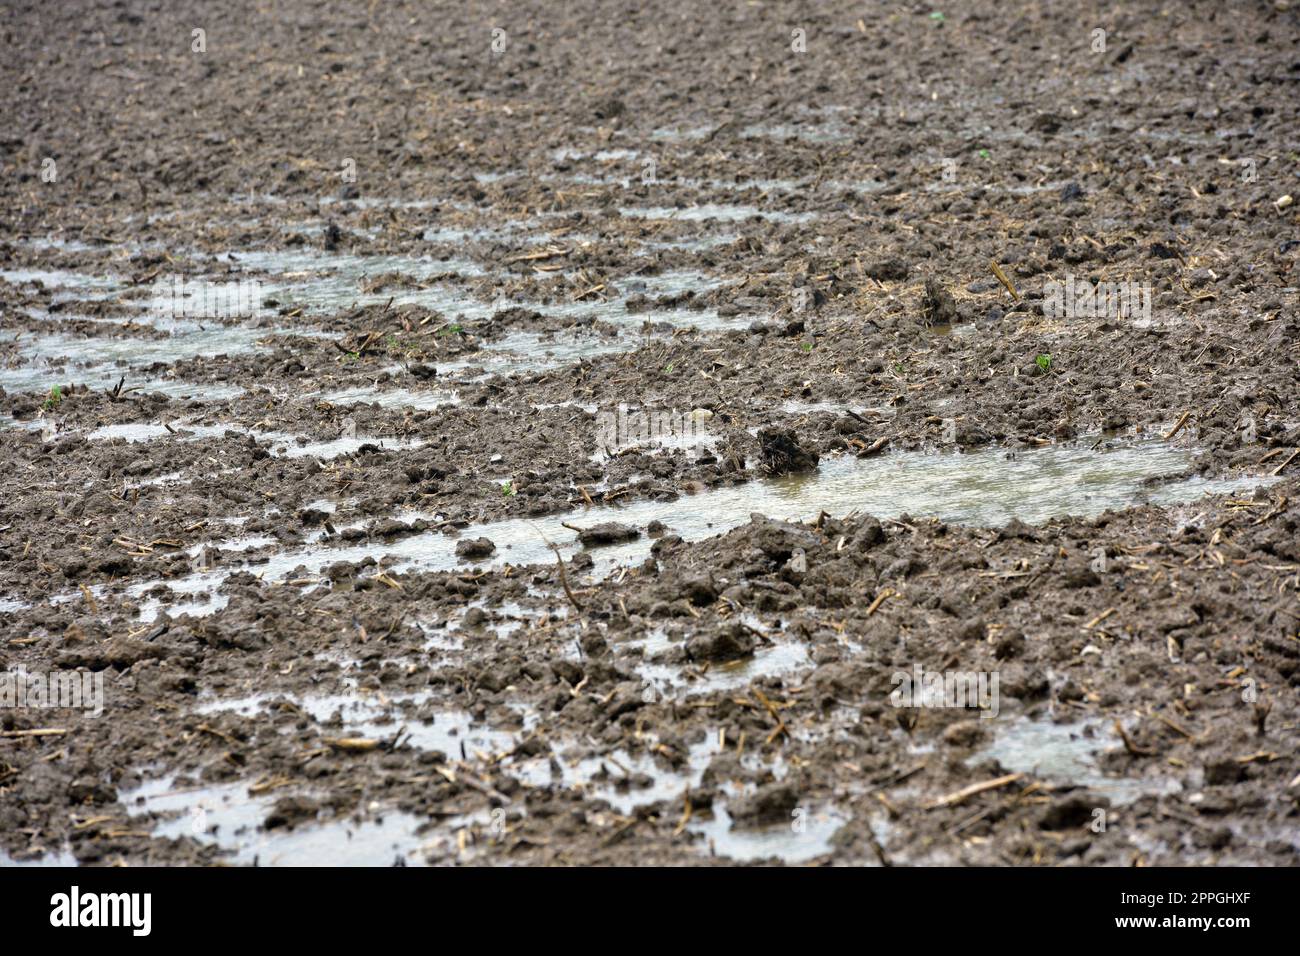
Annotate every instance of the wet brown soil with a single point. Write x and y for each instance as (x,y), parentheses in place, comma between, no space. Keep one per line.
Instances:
(286,540)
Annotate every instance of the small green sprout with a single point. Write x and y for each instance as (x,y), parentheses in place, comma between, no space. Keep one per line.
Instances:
(806,346)
(56,396)
(508,489)
(1044,362)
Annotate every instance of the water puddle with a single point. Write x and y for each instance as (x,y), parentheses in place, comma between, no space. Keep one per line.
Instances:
(230,816)
(157,480)
(718,211)
(370,202)
(1066,753)
(795,407)
(778,660)
(632,176)
(665,284)
(57,244)
(145,318)
(340,286)
(804,838)
(191,391)
(624,780)
(70,284)
(985,488)
(808,133)
(691,243)
(247,542)
(743,185)
(318,282)
(31,424)
(520,352)
(629,781)
(529,231)
(49,858)
(282,445)
(321,282)
(227,815)
(381,717)
(50,357)
(682,133)
(390,398)
(566,154)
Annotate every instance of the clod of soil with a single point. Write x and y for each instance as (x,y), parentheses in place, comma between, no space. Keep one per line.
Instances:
(726,644)
(938,307)
(782,454)
(607,532)
(474,548)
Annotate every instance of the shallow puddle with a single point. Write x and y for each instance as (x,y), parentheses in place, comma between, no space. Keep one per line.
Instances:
(777,660)
(70,284)
(1066,753)
(51,858)
(380,717)
(691,243)
(29,424)
(681,133)
(332,282)
(390,398)
(187,391)
(624,780)
(323,281)
(50,357)
(718,211)
(282,445)
(985,488)
(806,132)
(228,816)
(520,352)
(795,407)
(628,781)
(804,838)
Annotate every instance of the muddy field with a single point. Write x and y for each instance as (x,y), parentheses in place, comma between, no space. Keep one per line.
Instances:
(563,434)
